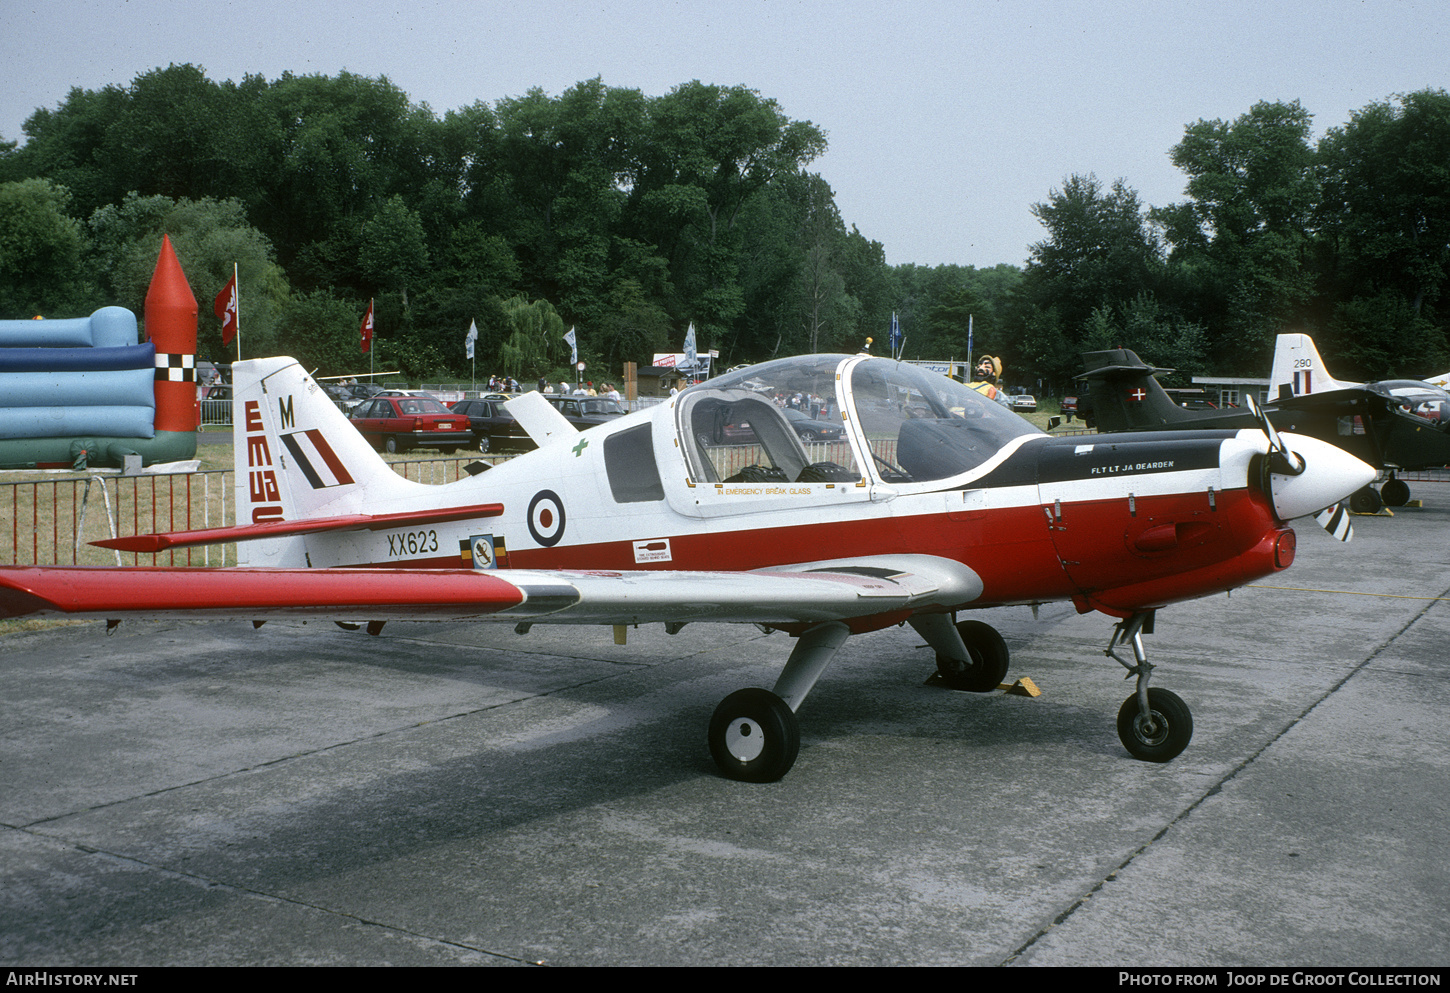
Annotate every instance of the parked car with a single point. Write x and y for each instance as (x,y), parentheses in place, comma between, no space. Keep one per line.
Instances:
(810,428)
(1068,407)
(807,427)
(397,424)
(349,395)
(586,412)
(1022,402)
(493,428)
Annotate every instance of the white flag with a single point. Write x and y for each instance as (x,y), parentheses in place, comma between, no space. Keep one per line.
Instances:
(472,337)
(691,358)
(573,347)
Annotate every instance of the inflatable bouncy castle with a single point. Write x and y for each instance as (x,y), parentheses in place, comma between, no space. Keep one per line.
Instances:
(84,392)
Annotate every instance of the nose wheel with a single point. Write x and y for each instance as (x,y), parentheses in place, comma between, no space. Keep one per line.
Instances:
(1154,725)
(1158,734)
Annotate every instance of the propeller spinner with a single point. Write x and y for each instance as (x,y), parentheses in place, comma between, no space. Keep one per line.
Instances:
(1301,479)
(1283,461)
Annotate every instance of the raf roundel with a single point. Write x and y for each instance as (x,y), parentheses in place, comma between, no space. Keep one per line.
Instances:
(546,518)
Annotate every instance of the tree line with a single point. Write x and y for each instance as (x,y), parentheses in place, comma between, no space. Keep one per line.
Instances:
(630,216)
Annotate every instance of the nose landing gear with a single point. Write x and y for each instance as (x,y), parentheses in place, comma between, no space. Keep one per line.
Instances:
(1154,725)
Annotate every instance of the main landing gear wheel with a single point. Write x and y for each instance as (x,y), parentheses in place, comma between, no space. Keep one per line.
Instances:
(988,666)
(754,736)
(1366,500)
(1395,492)
(1160,734)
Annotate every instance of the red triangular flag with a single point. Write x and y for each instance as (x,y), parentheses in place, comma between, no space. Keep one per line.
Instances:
(367,329)
(225,308)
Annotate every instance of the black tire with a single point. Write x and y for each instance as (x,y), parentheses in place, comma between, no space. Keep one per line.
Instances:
(754,737)
(1164,735)
(990,658)
(1395,493)
(1366,500)
(483,443)
(390,445)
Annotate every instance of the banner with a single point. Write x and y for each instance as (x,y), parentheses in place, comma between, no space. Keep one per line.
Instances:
(470,339)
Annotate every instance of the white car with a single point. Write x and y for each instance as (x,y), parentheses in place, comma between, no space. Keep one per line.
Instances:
(1022,402)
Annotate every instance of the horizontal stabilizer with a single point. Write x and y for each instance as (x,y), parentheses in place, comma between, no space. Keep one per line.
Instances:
(540,418)
(278,529)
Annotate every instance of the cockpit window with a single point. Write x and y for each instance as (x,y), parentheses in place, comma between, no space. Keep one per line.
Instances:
(1422,400)
(782,421)
(921,426)
(774,422)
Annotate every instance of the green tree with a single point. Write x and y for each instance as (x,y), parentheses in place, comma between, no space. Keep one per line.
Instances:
(440,317)
(320,330)
(711,150)
(1241,243)
(40,252)
(1385,219)
(209,237)
(536,340)
(394,253)
(1100,250)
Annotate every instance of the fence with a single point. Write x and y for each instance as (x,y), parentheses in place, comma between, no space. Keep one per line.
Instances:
(54,521)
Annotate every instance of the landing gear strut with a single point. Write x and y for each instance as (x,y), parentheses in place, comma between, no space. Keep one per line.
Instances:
(754,735)
(1153,724)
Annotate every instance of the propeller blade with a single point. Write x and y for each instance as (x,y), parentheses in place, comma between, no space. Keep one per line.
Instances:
(1335,520)
(1288,463)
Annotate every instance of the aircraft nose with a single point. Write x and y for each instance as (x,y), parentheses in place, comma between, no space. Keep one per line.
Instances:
(1330,474)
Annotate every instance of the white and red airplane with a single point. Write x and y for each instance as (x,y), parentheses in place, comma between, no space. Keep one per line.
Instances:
(709,507)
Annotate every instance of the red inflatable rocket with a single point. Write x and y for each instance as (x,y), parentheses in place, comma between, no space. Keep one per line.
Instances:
(171,327)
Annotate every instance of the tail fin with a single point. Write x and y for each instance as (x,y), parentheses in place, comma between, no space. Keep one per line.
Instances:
(296,454)
(1298,369)
(1125,395)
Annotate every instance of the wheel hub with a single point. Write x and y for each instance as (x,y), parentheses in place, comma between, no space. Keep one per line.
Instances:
(744,740)
(1151,728)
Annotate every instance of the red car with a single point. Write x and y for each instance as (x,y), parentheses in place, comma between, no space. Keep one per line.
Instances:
(398,423)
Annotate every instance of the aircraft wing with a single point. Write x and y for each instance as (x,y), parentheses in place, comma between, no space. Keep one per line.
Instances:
(811,593)
(1350,400)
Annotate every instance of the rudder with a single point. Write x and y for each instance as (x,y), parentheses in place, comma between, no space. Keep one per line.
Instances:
(296,455)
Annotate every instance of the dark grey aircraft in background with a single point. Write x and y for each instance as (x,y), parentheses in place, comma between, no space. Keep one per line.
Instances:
(1392,424)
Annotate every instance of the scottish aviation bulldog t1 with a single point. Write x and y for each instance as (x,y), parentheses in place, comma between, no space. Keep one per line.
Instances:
(711,507)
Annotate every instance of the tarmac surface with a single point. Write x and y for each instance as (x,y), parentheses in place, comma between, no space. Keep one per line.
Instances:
(210,794)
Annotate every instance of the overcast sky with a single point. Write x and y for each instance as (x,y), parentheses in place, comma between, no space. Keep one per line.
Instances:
(946,120)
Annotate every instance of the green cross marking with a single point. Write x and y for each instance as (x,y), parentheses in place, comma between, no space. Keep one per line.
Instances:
(579,448)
